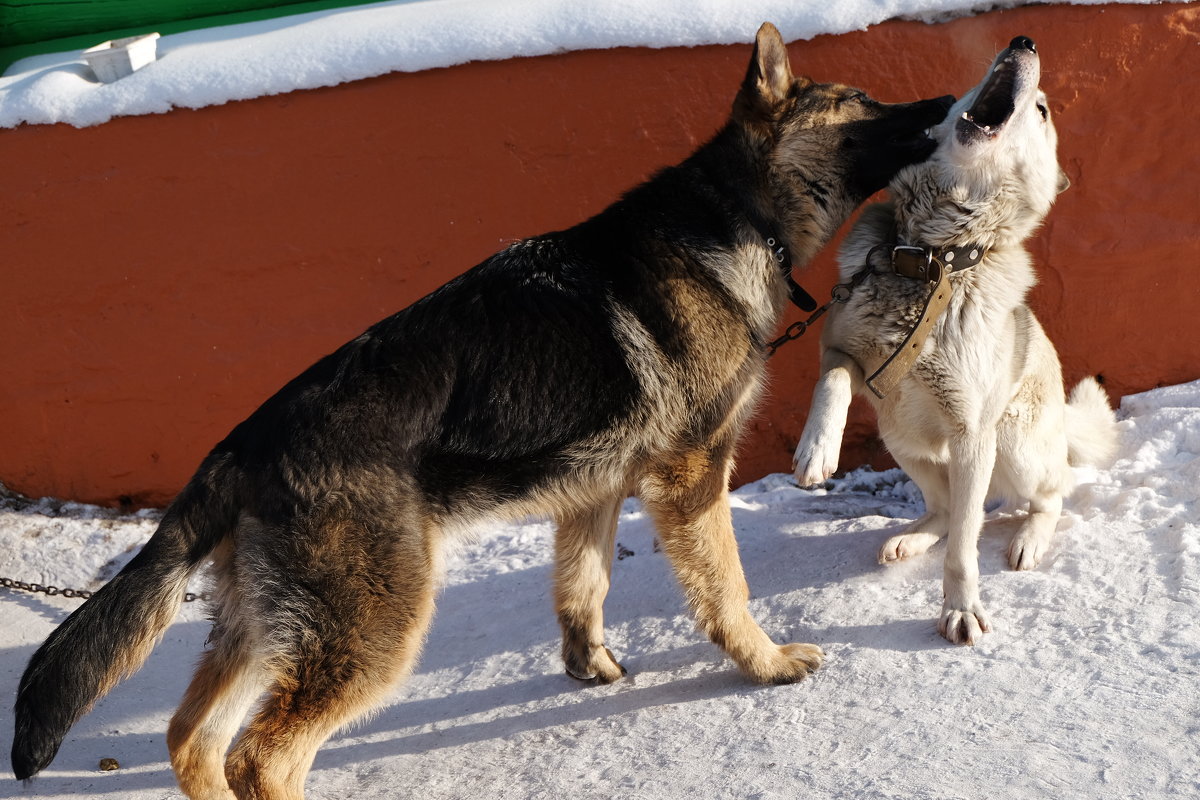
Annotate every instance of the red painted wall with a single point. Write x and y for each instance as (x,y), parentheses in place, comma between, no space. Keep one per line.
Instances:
(164,274)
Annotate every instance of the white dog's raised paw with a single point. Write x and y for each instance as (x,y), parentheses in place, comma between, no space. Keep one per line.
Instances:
(963,626)
(814,463)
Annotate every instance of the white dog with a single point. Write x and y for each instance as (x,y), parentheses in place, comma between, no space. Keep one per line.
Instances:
(967,388)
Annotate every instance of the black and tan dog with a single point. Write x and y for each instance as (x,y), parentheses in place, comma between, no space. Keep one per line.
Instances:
(621,355)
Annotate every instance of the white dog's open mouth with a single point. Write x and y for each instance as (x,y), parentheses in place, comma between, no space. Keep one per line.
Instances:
(993,105)
(1012,80)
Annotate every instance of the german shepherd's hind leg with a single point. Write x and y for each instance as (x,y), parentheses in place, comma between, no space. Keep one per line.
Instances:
(689,501)
(224,687)
(583,565)
(226,684)
(349,606)
(933,480)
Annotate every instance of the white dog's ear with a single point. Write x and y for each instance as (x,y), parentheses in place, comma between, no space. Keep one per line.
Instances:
(769,77)
(1064,182)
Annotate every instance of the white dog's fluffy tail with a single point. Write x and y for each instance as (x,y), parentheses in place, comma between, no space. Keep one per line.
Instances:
(1091,426)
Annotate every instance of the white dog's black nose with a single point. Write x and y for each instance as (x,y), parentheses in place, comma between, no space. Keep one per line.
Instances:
(1022,43)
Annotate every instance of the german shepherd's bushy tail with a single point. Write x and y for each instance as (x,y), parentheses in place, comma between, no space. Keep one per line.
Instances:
(110,636)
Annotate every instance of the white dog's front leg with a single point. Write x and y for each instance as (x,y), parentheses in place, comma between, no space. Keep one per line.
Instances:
(972,457)
(820,446)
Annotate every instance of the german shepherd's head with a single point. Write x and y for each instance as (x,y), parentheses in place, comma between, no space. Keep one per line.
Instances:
(828,146)
(995,172)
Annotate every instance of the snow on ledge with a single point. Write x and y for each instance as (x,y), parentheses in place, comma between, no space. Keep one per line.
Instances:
(307,51)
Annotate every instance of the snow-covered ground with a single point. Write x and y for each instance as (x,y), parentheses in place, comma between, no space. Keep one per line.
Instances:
(1088,687)
(237,62)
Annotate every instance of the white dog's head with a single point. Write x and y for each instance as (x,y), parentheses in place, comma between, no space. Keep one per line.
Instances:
(995,173)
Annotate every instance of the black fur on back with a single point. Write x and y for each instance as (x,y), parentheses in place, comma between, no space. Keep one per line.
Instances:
(479,388)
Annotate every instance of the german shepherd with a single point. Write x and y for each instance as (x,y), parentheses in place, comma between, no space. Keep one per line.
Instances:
(982,410)
(558,376)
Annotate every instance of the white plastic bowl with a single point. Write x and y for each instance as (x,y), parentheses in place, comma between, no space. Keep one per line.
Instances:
(114,60)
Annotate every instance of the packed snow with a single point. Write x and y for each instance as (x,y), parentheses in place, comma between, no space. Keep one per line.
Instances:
(1086,688)
(237,62)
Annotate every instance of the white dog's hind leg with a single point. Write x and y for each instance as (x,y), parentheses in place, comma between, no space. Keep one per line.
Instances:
(1031,541)
(933,481)
(972,456)
(820,446)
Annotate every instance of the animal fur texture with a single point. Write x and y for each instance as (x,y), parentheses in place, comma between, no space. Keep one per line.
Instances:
(555,378)
(982,412)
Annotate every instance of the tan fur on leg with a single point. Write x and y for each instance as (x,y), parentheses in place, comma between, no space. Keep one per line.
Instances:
(689,501)
(344,635)
(584,550)
(227,682)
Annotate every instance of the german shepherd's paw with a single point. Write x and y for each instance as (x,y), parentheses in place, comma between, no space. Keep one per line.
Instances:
(595,665)
(794,662)
(963,625)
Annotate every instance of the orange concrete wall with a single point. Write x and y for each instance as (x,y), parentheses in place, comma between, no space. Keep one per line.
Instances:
(162,275)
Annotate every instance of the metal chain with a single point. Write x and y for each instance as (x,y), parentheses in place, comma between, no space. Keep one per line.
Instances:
(839,294)
(9,583)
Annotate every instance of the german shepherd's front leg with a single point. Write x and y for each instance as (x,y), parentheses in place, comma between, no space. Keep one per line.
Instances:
(972,457)
(689,501)
(583,565)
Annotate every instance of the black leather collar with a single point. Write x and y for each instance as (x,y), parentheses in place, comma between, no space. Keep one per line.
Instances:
(783,258)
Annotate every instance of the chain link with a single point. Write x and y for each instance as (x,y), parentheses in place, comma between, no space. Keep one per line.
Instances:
(84,594)
(839,294)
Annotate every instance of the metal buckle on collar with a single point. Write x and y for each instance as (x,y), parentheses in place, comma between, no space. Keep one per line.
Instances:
(924,258)
(778,251)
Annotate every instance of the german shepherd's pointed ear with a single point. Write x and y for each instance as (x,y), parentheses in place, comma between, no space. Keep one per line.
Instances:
(769,78)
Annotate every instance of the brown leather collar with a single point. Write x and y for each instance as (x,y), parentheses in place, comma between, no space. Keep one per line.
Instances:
(934,267)
(914,261)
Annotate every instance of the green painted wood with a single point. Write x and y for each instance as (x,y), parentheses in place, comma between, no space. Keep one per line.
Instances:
(32,27)
(26,21)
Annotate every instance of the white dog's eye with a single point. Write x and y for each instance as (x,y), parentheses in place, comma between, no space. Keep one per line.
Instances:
(1043,111)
